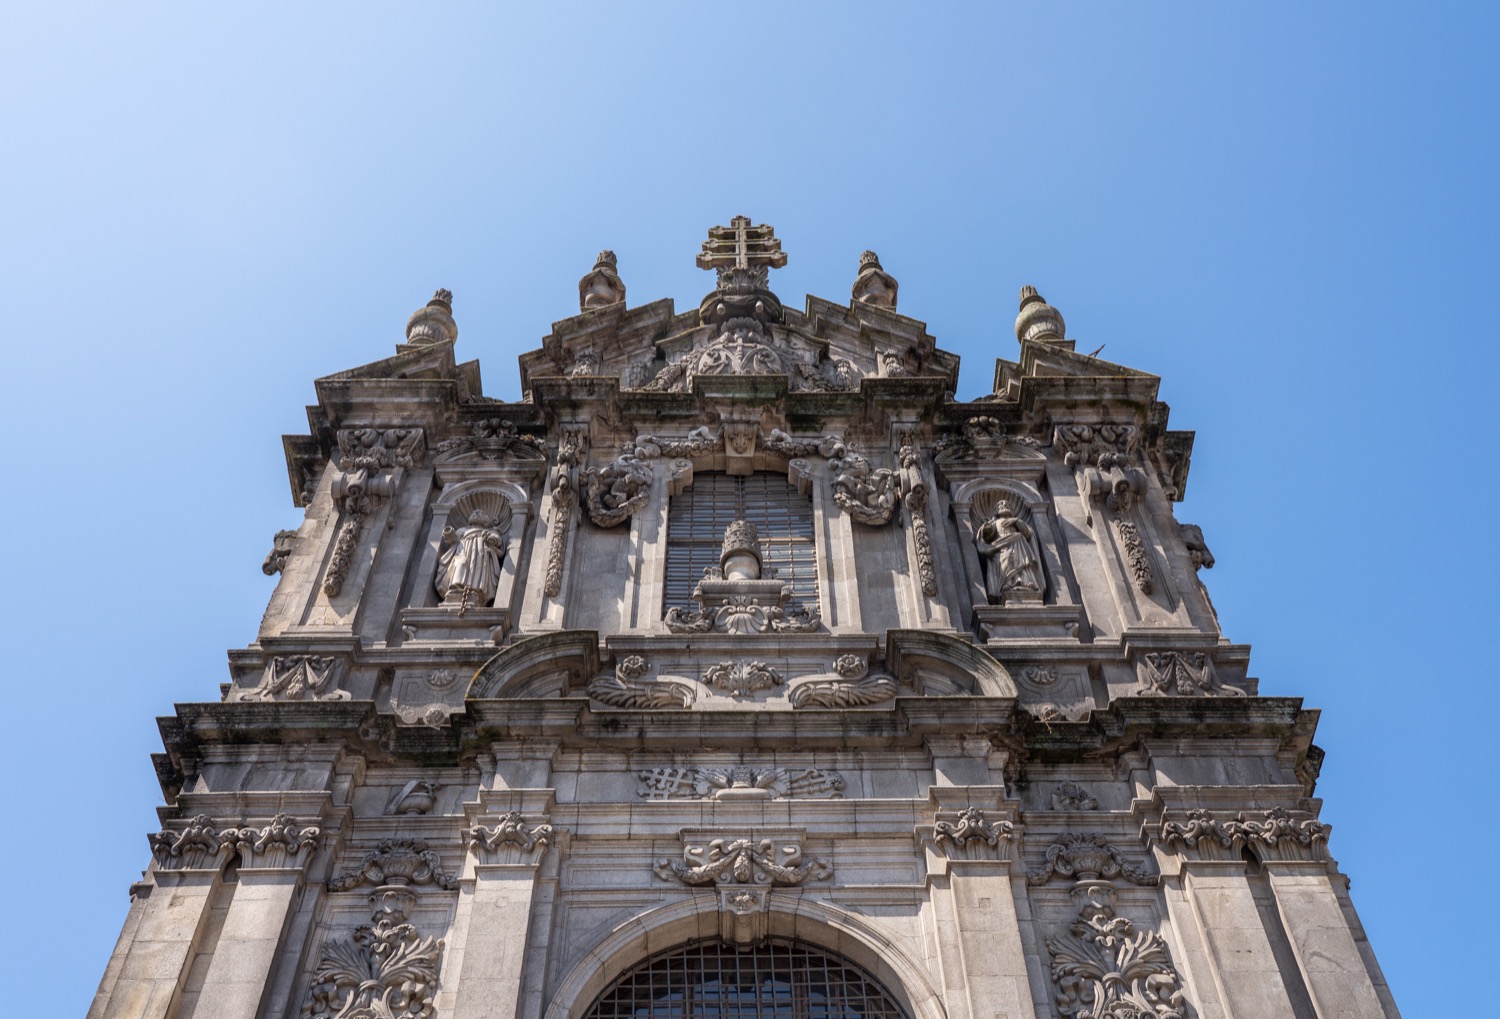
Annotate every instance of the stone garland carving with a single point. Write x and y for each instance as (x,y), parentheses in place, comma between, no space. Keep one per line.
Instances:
(854,688)
(384,970)
(1135,553)
(1107,968)
(781,442)
(835,375)
(914,490)
(740,679)
(700,441)
(1086,857)
(615,491)
(1180,674)
(743,861)
(869,495)
(296,678)
(740,782)
(1277,828)
(200,844)
(511,830)
(401,861)
(1072,796)
(564,485)
(971,827)
(628,689)
(281,551)
(364,455)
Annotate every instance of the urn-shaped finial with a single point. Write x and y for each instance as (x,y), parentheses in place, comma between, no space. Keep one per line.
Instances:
(601,286)
(434,322)
(874,285)
(1037,320)
(740,559)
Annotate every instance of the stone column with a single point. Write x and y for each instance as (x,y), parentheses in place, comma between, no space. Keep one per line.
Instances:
(983,959)
(1249,979)
(151,958)
(1340,981)
(495,908)
(272,862)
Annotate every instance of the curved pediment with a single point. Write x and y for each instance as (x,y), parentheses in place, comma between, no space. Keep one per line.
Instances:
(937,663)
(546,665)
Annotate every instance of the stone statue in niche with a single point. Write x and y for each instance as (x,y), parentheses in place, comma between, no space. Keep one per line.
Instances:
(1013,569)
(469,568)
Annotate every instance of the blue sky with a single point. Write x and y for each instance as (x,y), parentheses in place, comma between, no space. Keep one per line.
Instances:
(1286,211)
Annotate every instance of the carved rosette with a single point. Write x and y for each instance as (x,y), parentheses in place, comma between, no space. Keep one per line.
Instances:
(1086,857)
(743,861)
(1104,967)
(511,830)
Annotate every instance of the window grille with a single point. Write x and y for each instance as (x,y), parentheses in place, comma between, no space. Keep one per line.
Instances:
(779,979)
(784,518)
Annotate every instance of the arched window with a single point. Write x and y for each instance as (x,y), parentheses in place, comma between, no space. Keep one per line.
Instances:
(778,979)
(699,515)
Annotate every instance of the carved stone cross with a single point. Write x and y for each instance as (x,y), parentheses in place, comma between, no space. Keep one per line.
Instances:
(742,255)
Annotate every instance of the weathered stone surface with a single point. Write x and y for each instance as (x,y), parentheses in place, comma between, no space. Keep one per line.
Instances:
(931,684)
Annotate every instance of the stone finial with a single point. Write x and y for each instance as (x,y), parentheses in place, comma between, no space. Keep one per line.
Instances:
(1038,320)
(433,323)
(601,286)
(741,558)
(874,285)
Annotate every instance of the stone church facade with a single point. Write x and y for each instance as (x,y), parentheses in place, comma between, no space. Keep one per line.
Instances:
(740,669)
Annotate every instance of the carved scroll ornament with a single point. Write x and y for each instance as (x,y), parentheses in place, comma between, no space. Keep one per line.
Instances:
(629,688)
(743,861)
(1086,857)
(383,970)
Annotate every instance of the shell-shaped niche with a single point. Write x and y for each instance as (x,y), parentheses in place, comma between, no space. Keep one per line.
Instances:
(494,505)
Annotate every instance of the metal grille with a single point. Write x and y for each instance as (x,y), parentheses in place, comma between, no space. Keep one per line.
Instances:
(780,979)
(696,522)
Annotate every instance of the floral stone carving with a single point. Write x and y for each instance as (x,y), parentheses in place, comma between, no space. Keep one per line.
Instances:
(1086,857)
(384,970)
(1277,832)
(1107,968)
(740,679)
(743,861)
(200,844)
(734,597)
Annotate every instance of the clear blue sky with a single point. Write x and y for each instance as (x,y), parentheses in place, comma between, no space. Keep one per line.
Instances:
(1288,212)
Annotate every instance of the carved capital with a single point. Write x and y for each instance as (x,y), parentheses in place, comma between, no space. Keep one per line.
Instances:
(972,835)
(489,843)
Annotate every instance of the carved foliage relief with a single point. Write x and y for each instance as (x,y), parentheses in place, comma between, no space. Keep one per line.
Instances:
(743,861)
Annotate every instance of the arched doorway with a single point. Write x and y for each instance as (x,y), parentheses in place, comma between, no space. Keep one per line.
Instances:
(781,978)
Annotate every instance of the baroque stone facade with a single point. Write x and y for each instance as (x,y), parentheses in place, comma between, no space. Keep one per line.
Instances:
(740,630)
